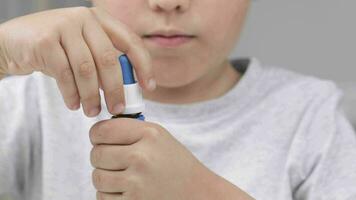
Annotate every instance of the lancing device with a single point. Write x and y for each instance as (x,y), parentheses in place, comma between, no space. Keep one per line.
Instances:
(133,93)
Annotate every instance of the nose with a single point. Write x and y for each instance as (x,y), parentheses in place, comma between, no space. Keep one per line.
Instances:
(169,5)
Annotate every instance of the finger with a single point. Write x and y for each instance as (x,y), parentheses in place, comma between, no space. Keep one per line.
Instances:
(118,131)
(106,60)
(129,43)
(110,157)
(111,181)
(83,66)
(110,196)
(57,63)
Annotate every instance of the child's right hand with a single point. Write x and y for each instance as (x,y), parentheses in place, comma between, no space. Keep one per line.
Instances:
(79,48)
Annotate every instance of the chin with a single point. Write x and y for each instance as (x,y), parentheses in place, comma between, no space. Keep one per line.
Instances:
(175,73)
(170,85)
(176,79)
(172,82)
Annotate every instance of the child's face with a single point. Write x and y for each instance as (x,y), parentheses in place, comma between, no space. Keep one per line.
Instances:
(215,24)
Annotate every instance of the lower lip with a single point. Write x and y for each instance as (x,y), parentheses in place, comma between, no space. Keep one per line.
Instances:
(169,41)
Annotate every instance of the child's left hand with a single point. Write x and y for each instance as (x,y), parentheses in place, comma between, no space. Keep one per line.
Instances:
(143,161)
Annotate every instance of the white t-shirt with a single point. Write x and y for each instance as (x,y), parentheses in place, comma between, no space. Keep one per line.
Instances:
(276,134)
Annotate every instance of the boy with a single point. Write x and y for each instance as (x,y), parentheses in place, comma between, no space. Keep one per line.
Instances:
(232,130)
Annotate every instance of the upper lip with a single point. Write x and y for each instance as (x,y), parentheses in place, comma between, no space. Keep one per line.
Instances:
(168,33)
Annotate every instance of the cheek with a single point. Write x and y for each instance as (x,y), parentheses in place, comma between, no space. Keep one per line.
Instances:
(225,27)
(123,10)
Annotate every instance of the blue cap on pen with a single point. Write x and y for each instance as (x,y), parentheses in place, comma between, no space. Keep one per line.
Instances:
(127,72)
(133,94)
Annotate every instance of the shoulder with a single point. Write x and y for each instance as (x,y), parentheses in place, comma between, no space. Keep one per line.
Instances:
(293,85)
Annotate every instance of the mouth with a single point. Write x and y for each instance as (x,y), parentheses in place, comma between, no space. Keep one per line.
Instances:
(168,39)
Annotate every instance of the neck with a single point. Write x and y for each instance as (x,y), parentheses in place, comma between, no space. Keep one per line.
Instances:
(211,86)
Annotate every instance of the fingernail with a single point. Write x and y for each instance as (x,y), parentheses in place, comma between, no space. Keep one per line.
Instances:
(118,108)
(94,112)
(151,84)
(75,106)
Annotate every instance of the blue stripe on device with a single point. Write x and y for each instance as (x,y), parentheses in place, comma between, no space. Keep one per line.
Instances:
(141,117)
(127,72)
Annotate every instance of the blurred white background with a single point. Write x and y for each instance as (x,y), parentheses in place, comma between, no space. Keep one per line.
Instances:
(316,37)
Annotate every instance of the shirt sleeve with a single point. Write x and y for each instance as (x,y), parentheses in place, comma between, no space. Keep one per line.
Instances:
(19,135)
(327,154)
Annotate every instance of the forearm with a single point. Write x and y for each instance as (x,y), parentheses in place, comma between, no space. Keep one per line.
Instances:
(2,72)
(210,186)
(223,189)
(2,59)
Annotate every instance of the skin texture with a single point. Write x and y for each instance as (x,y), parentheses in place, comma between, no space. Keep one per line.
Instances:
(78,47)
